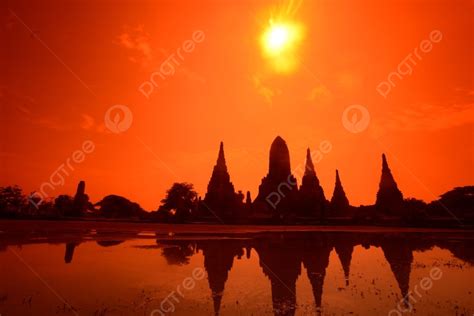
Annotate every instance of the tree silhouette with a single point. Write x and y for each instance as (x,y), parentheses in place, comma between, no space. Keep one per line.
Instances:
(459,201)
(180,200)
(64,203)
(116,206)
(12,200)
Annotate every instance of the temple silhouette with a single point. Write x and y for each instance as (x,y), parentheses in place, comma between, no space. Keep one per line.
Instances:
(280,199)
(221,197)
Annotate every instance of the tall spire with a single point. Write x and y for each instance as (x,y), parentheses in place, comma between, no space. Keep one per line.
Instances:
(389,197)
(220,196)
(277,193)
(220,157)
(311,194)
(309,169)
(279,164)
(339,199)
(385,164)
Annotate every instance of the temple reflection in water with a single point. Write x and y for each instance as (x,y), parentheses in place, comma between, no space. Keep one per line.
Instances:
(283,257)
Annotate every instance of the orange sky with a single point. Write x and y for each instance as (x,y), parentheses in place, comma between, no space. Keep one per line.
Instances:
(65,63)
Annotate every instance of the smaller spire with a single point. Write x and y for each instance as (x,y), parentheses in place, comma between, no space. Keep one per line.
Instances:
(385,163)
(389,197)
(309,169)
(220,157)
(339,199)
(248,199)
(81,188)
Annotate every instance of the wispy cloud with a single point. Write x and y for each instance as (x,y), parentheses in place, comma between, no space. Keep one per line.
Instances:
(319,93)
(138,42)
(429,117)
(49,123)
(22,108)
(182,69)
(264,90)
(88,123)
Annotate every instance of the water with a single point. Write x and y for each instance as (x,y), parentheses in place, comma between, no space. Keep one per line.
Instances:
(84,268)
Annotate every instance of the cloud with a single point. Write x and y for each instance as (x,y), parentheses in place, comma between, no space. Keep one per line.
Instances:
(192,75)
(429,117)
(48,122)
(138,42)
(468,92)
(87,122)
(181,68)
(319,93)
(264,90)
(23,109)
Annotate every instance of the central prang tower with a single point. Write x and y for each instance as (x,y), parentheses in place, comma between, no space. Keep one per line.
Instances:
(278,191)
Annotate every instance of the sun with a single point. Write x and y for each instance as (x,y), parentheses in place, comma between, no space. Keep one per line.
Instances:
(279,37)
(279,44)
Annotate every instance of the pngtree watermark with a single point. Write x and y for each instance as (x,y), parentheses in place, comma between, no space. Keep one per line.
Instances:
(405,305)
(57,178)
(169,66)
(118,118)
(356,118)
(167,305)
(405,67)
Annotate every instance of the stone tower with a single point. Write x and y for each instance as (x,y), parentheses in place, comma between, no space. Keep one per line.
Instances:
(221,198)
(278,191)
(311,194)
(389,197)
(81,200)
(339,201)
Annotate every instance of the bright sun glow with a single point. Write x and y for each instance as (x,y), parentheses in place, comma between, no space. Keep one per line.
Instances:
(279,43)
(278,37)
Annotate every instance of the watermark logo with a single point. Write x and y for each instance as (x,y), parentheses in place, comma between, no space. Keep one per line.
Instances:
(118,118)
(59,176)
(169,66)
(356,118)
(406,303)
(405,67)
(168,304)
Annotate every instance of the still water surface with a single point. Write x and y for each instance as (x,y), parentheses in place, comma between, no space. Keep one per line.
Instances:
(53,269)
